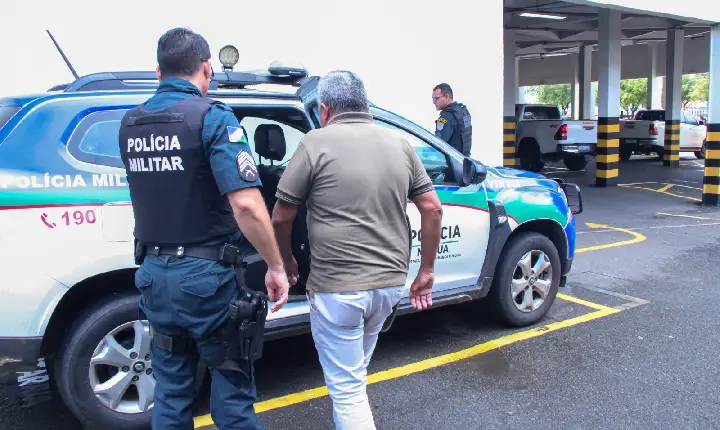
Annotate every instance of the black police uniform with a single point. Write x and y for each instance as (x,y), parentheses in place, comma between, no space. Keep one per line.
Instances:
(182,153)
(454,126)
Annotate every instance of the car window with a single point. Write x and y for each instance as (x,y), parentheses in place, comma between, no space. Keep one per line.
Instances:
(541,112)
(95,139)
(292,137)
(7,112)
(435,161)
(650,115)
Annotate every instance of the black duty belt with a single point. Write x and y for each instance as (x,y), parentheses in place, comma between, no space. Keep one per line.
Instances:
(229,254)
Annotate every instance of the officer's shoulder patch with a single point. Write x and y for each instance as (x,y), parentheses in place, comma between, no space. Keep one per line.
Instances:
(442,120)
(236,134)
(246,166)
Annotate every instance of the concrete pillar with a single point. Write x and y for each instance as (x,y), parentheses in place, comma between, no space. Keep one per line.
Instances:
(673,102)
(510,93)
(586,99)
(608,143)
(654,95)
(575,88)
(711,180)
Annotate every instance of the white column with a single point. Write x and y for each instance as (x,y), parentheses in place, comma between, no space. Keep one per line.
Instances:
(521,95)
(673,101)
(509,74)
(711,179)
(608,144)
(609,64)
(510,97)
(654,95)
(586,95)
(575,88)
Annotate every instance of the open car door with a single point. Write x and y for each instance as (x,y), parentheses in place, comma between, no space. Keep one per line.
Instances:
(308,94)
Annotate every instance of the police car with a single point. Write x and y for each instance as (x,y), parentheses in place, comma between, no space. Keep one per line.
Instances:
(66,223)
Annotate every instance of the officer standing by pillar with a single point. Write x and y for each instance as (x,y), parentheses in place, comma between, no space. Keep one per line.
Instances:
(454,125)
(194,190)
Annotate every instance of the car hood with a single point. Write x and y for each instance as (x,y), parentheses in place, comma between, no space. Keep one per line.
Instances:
(509,172)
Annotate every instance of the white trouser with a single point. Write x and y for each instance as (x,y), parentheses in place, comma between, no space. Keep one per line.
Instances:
(345,328)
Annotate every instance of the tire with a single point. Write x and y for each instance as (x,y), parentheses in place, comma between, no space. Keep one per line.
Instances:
(701,153)
(625,153)
(530,157)
(73,364)
(500,296)
(575,162)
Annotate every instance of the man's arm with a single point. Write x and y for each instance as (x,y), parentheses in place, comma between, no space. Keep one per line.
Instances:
(293,187)
(428,204)
(237,177)
(426,200)
(444,126)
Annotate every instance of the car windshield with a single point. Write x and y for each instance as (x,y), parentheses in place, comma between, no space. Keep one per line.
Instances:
(650,115)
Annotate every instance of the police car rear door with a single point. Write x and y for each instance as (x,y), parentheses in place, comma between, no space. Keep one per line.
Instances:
(308,95)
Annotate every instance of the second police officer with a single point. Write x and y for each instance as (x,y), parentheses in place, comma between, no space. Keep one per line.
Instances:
(454,125)
(194,190)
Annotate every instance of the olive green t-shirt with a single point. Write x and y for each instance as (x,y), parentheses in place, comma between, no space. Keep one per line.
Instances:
(356,177)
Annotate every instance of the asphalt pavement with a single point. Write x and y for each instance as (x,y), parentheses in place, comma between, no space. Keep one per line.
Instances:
(629,343)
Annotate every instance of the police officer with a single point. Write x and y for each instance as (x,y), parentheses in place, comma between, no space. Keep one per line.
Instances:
(194,190)
(454,125)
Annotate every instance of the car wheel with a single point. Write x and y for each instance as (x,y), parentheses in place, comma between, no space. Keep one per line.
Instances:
(104,372)
(575,162)
(701,153)
(625,153)
(526,280)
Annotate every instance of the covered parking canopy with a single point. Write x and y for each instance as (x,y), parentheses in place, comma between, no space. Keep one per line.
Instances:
(552,42)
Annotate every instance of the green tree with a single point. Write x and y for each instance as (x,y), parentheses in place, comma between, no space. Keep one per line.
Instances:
(688,82)
(701,89)
(558,95)
(633,94)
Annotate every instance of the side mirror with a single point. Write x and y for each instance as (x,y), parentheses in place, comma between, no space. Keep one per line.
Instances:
(474,172)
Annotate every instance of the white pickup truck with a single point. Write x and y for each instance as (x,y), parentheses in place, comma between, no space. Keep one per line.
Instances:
(645,134)
(541,135)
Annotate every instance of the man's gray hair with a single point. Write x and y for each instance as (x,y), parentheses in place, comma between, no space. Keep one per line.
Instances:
(343,91)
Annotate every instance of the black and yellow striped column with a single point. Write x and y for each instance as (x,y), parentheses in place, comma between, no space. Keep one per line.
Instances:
(711,181)
(509,159)
(608,151)
(671,152)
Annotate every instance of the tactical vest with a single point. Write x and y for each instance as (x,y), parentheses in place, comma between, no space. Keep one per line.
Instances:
(463,126)
(174,196)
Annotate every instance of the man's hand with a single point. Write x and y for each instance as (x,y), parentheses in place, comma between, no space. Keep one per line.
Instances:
(421,289)
(276,282)
(292,271)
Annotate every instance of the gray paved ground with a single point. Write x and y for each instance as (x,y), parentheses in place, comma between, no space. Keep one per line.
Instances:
(650,366)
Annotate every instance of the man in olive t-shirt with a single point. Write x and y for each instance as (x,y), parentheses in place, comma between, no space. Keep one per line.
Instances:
(356,177)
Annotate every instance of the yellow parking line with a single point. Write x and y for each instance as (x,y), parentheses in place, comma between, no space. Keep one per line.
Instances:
(420,366)
(637,237)
(689,216)
(665,188)
(583,302)
(662,191)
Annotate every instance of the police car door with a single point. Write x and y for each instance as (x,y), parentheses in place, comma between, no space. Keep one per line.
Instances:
(465,223)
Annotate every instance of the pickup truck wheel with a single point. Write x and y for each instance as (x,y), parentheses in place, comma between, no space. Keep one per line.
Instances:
(526,280)
(575,162)
(530,157)
(701,153)
(625,153)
